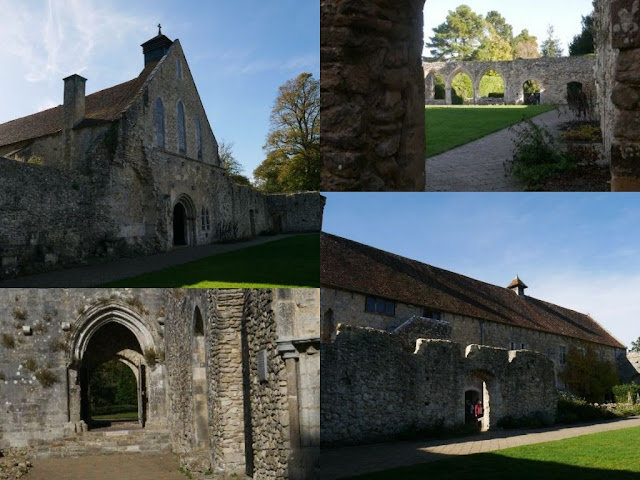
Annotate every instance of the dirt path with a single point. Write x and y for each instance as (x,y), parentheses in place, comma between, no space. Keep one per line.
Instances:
(478,165)
(350,461)
(107,467)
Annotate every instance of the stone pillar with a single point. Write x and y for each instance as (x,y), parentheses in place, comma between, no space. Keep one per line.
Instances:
(619,22)
(430,89)
(372,95)
(447,96)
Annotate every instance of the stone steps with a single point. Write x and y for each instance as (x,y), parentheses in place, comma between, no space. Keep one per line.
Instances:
(97,442)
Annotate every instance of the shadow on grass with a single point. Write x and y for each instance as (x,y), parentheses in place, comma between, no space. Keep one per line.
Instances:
(290,262)
(484,466)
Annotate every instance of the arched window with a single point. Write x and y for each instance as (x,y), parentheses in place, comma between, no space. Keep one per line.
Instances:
(203,222)
(182,132)
(179,68)
(159,123)
(199,138)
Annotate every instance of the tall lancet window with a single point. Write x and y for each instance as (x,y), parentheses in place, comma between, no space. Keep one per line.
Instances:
(199,138)
(182,131)
(159,123)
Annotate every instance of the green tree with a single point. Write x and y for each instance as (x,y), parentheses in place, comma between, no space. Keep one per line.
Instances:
(585,42)
(493,47)
(551,46)
(459,36)
(112,383)
(588,376)
(635,346)
(293,143)
(525,45)
(500,25)
(229,161)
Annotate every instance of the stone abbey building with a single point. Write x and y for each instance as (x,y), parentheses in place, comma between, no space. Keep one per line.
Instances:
(479,342)
(129,170)
(228,379)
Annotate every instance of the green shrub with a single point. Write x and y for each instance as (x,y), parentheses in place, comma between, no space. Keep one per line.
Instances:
(536,154)
(621,392)
(586,133)
(575,410)
(19,314)
(150,356)
(58,345)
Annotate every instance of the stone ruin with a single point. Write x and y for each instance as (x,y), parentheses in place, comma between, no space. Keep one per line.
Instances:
(373,389)
(227,379)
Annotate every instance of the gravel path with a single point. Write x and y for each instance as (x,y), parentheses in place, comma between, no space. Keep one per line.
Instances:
(478,165)
(129,267)
(350,461)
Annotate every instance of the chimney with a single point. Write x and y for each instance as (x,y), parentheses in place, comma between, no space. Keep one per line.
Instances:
(73,108)
(517,286)
(156,48)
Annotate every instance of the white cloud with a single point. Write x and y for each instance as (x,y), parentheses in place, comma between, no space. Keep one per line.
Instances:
(55,38)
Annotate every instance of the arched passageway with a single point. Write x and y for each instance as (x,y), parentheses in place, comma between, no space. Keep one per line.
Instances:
(491,87)
(532,92)
(461,88)
(480,389)
(183,221)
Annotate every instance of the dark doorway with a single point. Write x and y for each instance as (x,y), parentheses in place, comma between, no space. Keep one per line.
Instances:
(179,225)
(471,397)
(276,218)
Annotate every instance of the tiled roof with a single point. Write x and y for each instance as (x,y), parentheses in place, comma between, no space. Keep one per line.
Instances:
(103,106)
(349,265)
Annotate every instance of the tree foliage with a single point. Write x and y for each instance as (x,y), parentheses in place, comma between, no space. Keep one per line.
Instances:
(588,376)
(459,37)
(635,346)
(500,25)
(112,383)
(551,46)
(293,143)
(525,45)
(584,43)
(229,161)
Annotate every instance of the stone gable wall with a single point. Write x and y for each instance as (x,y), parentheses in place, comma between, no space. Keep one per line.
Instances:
(374,390)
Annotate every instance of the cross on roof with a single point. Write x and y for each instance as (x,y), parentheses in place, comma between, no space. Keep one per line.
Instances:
(159,29)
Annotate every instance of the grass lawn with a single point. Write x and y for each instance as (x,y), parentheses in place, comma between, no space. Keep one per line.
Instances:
(611,455)
(290,262)
(452,126)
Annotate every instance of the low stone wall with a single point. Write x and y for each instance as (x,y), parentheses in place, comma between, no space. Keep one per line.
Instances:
(296,212)
(371,95)
(374,390)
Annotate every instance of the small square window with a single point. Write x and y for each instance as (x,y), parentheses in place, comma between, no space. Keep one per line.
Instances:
(380,305)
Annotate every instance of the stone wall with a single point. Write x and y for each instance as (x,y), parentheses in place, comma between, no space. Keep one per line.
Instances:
(553,74)
(629,367)
(371,95)
(297,212)
(618,26)
(374,390)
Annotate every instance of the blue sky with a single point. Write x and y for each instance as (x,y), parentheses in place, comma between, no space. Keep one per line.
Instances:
(564,15)
(239,53)
(581,251)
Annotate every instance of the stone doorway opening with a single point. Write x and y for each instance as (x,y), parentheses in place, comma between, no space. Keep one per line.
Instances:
(111,333)
(183,221)
(532,92)
(111,343)
(479,387)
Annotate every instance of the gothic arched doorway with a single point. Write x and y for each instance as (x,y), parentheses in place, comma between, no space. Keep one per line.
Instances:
(183,221)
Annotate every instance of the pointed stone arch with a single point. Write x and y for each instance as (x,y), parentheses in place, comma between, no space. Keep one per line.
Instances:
(183,221)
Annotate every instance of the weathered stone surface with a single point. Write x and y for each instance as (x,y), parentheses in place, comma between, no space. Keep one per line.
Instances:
(625,23)
(374,390)
(204,396)
(370,66)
